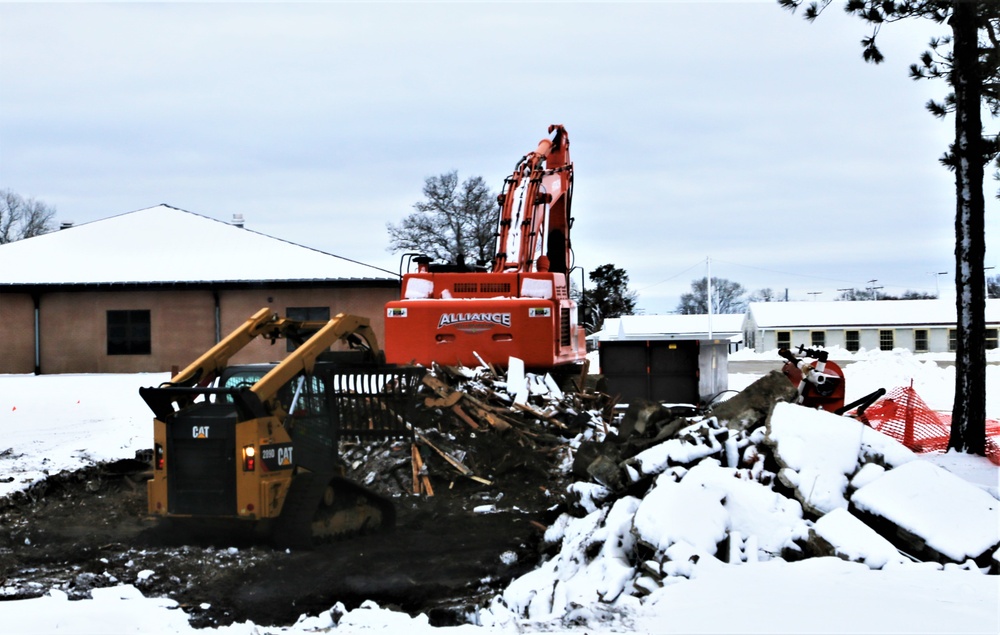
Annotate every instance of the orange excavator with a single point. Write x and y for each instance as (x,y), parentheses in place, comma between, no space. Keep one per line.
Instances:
(460,315)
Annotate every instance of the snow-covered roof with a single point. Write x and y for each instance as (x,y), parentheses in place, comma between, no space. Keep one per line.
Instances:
(164,244)
(642,327)
(860,313)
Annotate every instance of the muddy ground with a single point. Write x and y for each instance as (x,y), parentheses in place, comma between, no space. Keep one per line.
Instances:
(447,554)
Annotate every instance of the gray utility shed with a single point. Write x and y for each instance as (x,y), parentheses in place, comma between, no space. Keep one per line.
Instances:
(668,358)
(920,326)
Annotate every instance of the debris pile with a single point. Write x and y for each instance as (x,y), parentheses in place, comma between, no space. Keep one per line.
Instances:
(756,479)
(481,428)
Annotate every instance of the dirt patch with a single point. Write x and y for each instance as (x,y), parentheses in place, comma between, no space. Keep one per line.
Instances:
(448,553)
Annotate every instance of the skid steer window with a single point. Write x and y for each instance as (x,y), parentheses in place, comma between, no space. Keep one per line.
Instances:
(241,380)
(311,399)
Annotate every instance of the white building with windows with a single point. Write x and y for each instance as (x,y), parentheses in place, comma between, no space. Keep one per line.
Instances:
(917,325)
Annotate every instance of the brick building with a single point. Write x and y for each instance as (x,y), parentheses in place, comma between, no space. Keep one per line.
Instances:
(151,289)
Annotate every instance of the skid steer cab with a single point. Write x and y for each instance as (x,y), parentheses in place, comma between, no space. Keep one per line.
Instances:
(257,445)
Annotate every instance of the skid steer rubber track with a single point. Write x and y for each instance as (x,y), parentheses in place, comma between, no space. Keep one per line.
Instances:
(320,508)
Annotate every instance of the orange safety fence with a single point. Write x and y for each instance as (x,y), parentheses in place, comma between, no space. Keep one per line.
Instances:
(904,416)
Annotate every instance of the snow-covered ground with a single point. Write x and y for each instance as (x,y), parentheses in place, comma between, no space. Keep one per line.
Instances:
(54,423)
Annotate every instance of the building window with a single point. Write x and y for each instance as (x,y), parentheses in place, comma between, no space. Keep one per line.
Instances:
(920,341)
(885,340)
(783,339)
(306,314)
(129,333)
(852,340)
(952,340)
(817,338)
(991,338)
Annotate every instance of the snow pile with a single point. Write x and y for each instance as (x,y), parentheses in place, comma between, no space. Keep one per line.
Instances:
(802,485)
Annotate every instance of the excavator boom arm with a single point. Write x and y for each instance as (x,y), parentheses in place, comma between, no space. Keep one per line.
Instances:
(541,180)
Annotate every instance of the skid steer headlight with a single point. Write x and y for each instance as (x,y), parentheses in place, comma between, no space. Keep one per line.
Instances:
(159,458)
(249,458)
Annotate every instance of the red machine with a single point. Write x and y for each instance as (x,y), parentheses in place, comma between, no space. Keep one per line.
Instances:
(820,382)
(453,314)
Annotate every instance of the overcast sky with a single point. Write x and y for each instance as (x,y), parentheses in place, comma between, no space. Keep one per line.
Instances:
(729,132)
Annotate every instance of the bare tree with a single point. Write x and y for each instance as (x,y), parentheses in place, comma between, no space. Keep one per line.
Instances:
(453,223)
(727,297)
(23,218)
(765,295)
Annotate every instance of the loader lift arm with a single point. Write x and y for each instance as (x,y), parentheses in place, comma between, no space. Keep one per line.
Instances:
(313,337)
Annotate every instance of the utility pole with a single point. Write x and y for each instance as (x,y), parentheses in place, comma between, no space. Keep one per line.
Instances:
(873,288)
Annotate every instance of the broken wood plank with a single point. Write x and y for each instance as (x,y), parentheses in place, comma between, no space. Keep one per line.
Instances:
(458,465)
(539,414)
(457,409)
(421,482)
(443,402)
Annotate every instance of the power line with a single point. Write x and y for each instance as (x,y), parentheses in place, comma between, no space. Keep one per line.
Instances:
(679,273)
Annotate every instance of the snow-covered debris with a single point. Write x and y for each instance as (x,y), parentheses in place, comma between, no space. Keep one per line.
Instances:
(819,451)
(849,538)
(744,492)
(592,567)
(761,516)
(925,502)
(664,516)
(752,405)
(694,443)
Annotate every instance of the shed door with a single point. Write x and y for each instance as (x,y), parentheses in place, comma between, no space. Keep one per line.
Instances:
(654,370)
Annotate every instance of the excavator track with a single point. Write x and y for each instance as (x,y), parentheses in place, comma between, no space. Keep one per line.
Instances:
(320,508)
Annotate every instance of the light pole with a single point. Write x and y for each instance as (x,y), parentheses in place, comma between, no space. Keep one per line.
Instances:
(937,286)
(814,294)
